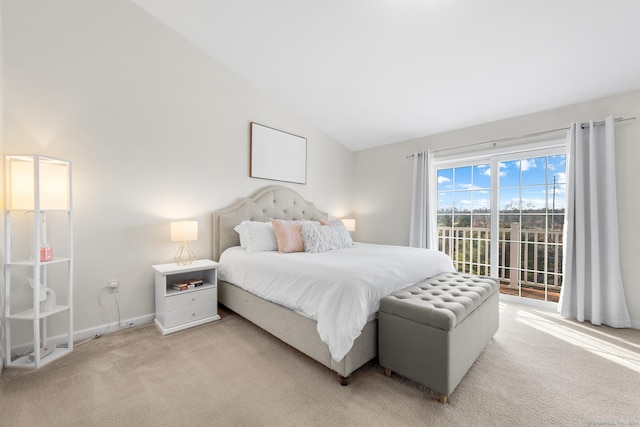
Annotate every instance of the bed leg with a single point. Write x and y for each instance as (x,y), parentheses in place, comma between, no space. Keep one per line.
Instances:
(344,381)
(442,398)
(387,372)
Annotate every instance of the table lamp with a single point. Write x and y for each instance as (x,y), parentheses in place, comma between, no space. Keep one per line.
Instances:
(349,224)
(184,231)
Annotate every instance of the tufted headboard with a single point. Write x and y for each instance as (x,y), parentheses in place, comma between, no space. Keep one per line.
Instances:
(272,202)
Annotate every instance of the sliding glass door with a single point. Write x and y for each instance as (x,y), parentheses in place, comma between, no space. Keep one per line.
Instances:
(464,216)
(503,216)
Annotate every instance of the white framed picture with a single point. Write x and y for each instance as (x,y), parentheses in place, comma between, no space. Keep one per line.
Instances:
(277,155)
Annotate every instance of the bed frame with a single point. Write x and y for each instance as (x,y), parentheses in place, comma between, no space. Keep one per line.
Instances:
(294,329)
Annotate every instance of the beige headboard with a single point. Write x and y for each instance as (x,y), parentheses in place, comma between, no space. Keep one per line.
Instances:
(272,202)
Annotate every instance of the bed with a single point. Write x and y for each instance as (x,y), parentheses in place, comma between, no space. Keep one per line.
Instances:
(289,325)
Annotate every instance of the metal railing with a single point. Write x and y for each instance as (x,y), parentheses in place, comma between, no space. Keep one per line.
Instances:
(529,257)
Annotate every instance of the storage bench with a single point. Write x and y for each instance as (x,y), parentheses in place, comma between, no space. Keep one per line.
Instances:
(432,332)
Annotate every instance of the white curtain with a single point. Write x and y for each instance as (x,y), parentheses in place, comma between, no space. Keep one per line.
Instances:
(592,289)
(422,229)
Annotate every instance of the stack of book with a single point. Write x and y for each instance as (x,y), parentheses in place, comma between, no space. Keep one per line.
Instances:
(183,285)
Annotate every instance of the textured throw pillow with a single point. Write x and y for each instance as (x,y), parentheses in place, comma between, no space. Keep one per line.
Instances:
(320,238)
(258,236)
(288,235)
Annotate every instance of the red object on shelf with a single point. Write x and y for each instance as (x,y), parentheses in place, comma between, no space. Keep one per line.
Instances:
(46,253)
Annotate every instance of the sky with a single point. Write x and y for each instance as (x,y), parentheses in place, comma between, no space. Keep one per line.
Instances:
(532,181)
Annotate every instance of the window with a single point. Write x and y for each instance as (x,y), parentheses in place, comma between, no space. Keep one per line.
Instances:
(509,225)
(464,216)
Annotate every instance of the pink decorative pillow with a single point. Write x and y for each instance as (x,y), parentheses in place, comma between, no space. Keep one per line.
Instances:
(288,235)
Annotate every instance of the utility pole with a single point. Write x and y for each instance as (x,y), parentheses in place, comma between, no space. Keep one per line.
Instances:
(553,206)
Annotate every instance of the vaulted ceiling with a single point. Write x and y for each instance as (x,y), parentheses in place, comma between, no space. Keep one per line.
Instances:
(373,72)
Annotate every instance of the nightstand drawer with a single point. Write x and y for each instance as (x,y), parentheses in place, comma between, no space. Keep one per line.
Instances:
(190,314)
(192,299)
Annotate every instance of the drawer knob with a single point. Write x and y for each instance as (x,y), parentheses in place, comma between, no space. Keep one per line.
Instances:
(193,314)
(193,299)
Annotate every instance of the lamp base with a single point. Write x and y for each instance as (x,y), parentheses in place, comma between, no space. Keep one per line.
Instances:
(185,255)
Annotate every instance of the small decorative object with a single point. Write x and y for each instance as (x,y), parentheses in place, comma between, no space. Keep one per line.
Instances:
(49,303)
(46,253)
(47,296)
(184,231)
(43,293)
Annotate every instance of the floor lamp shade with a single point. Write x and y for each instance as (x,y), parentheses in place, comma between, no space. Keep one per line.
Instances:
(51,174)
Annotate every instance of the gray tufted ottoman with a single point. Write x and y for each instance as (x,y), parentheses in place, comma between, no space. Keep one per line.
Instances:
(433,331)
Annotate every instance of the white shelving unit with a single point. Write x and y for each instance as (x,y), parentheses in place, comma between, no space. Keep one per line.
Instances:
(178,310)
(38,211)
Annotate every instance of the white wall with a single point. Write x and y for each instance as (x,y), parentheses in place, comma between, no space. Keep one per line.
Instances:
(382,189)
(1,199)
(156,130)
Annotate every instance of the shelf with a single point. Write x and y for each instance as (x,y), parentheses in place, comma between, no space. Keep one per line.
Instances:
(197,265)
(171,291)
(23,362)
(31,262)
(38,212)
(28,314)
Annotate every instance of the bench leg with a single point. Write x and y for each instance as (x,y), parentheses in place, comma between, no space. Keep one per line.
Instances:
(442,398)
(387,372)
(344,381)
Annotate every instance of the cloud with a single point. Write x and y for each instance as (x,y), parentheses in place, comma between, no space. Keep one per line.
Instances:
(443,179)
(562,178)
(502,166)
(482,204)
(527,164)
(470,187)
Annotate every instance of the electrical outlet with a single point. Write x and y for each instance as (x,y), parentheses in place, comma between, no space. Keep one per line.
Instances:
(113,286)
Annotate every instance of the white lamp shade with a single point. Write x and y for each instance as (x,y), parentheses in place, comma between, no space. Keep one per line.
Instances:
(349,224)
(184,231)
(53,178)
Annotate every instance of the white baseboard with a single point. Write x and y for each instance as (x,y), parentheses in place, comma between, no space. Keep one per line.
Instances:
(551,306)
(108,328)
(88,333)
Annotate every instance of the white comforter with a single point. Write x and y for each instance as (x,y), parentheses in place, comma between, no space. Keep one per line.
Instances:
(340,289)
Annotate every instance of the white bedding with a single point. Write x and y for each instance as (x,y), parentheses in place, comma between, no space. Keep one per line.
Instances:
(340,289)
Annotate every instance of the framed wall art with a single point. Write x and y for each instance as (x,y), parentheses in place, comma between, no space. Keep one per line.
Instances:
(277,155)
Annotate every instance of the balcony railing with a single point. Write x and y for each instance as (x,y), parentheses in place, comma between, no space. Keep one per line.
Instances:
(527,258)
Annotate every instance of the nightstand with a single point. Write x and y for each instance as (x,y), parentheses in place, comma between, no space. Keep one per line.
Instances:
(177,310)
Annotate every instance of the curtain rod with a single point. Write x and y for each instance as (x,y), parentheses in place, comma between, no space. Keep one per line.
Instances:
(510,138)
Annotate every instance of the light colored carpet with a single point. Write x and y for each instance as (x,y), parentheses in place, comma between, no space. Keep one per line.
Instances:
(538,370)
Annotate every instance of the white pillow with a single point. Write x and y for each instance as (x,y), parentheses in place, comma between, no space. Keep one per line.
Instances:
(320,238)
(257,236)
(242,232)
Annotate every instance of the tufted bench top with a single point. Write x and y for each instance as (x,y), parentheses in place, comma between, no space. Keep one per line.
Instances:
(441,301)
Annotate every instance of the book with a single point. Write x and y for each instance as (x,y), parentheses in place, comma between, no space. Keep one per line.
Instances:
(187,284)
(183,287)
